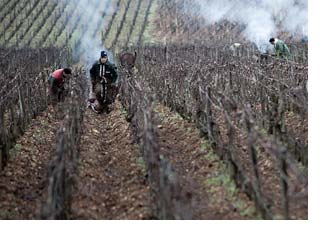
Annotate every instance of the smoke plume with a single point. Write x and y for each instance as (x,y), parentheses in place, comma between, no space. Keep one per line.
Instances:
(262,19)
(93,23)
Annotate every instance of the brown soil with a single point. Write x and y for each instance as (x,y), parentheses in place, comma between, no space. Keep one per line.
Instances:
(23,182)
(111,181)
(197,167)
(270,182)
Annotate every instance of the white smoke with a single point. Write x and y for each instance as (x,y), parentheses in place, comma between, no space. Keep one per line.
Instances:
(94,23)
(261,18)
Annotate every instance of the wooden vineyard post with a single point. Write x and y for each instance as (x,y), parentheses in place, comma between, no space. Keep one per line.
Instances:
(212,128)
(261,205)
(3,141)
(281,153)
(284,184)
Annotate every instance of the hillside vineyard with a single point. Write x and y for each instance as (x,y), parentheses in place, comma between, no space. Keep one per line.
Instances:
(197,114)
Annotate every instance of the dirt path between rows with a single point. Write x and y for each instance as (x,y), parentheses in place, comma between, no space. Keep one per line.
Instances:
(23,182)
(214,194)
(111,182)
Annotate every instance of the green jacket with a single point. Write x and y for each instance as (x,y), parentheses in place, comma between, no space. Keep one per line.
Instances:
(282,50)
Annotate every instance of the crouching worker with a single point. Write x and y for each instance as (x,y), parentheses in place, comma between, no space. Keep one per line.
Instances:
(282,50)
(57,80)
(103,86)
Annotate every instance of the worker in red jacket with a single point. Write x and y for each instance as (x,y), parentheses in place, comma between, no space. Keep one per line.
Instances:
(56,83)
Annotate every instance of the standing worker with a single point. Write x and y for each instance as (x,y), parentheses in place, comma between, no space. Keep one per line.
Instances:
(102,72)
(282,50)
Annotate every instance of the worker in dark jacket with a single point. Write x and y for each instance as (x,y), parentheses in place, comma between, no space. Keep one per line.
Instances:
(56,83)
(103,74)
